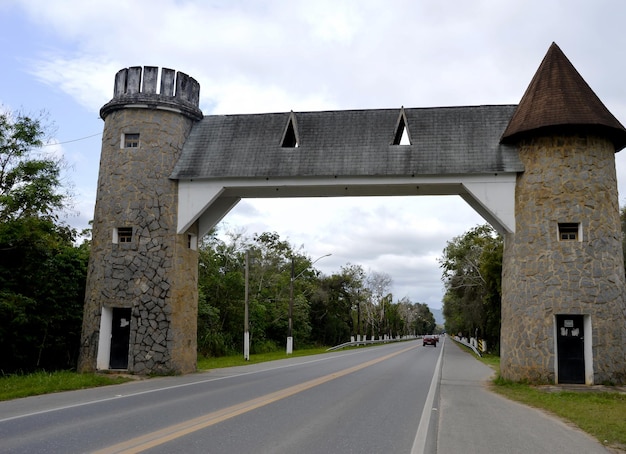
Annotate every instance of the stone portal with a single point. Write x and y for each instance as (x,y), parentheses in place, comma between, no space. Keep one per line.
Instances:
(542,173)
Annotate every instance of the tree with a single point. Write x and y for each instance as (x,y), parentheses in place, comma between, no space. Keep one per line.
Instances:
(378,285)
(42,288)
(327,310)
(30,182)
(273,259)
(335,306)
(422,319)
(220,293)
(354,284)
(472,268)
(42,272)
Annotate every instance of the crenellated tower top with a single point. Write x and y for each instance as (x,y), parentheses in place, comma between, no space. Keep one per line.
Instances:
(136,88)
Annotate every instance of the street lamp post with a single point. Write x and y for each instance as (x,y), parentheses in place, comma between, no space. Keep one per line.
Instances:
(358,316)
(290,314)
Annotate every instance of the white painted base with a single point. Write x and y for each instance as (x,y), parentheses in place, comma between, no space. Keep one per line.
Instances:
(246,346)
(104,341)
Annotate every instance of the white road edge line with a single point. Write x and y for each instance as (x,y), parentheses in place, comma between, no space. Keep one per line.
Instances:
(419,444)
(182,385)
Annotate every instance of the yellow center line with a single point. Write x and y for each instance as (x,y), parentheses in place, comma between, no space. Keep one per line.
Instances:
(167,434)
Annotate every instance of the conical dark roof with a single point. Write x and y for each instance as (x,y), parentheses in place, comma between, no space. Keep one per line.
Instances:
(559,99)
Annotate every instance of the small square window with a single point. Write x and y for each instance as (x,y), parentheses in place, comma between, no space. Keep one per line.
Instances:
(123,235)
(131,140)
(569,231)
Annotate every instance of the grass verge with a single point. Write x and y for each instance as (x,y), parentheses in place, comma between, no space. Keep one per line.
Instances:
(601,414)
(16,386)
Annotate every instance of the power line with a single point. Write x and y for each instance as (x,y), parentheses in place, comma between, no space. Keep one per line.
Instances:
(70,141)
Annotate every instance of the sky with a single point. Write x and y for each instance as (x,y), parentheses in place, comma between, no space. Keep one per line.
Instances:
(255,56)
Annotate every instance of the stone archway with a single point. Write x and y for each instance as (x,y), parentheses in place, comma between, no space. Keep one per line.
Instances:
(182,172)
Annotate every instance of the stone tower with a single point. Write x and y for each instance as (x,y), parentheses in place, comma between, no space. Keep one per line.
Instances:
(141,300)
(563,287)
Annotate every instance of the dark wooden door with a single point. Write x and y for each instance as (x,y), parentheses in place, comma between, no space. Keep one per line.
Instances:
(571,348)
(120,338)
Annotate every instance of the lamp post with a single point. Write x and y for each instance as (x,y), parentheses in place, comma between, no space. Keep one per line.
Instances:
(358,316)
(293,278)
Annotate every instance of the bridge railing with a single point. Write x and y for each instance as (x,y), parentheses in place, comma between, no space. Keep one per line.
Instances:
(479,346)
(358,341)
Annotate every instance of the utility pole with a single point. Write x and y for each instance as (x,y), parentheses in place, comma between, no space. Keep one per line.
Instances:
(290,314)
(290,328)
(358,315)
(246,327)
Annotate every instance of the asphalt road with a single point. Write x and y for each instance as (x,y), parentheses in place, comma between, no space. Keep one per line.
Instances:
(369,400)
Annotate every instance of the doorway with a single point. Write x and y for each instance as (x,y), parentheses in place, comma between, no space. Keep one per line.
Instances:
(570,335)
(120,338)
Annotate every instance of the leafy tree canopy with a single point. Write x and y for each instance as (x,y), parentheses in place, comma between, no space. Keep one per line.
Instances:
(42,272)
(327,310)
(472,269)
(30,180)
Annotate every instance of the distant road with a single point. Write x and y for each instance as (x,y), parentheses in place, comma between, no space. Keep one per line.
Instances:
(368,400)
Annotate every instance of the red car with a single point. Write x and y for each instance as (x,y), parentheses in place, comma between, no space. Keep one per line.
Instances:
(429,340)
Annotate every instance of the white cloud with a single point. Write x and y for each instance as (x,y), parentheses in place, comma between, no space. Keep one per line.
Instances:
(279,55)
(87,81)
(401,236)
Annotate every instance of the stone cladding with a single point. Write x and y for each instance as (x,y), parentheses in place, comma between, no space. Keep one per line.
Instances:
(567,179)
(155,275)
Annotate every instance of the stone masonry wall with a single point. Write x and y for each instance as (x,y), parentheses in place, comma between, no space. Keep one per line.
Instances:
(566,179)
(156,274)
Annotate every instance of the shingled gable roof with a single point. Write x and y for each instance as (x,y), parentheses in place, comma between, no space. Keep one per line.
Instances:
(559,99)
(446,140)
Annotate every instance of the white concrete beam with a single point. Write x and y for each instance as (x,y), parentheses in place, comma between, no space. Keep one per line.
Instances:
(194,198)
(494,199)
(208,201)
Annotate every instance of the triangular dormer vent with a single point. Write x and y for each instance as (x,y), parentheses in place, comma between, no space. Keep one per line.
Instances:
(290,136)
(401,136)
